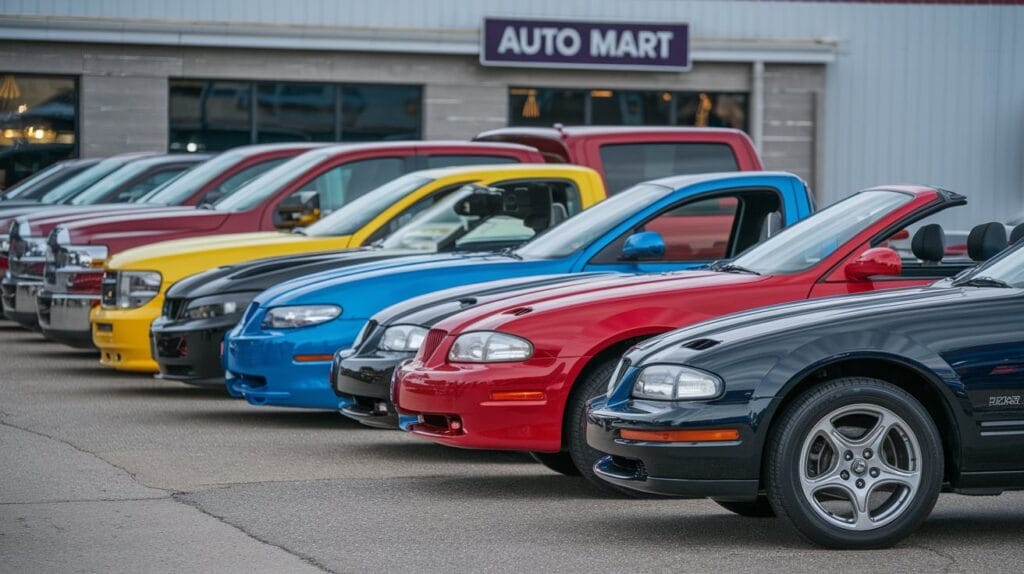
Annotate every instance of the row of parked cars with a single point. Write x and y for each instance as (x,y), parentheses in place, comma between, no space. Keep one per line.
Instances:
(642,307)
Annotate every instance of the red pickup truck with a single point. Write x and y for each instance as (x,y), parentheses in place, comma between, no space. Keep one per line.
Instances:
(291,194)
(129,175)
(317,182)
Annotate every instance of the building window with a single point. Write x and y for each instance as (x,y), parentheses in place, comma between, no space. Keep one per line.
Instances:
(38,123)
(213,115)
(547,106)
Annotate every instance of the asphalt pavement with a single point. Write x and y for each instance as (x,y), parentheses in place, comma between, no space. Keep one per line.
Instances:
(109,472)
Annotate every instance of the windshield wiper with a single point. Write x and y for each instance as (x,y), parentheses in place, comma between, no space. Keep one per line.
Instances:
(299,231)
(984,281)
(733,268)
(206,205)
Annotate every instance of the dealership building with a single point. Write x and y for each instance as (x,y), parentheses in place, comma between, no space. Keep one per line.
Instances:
(845,94)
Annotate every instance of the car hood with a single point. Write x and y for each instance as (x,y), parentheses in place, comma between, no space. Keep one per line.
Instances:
(427,310)
(794,319)
(124,230)
(39,222)
(223,249)
(260,274)
(636,295)
(365,289)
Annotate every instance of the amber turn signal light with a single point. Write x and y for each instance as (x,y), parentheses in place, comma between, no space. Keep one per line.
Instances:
(517,395)
(311,358)
(713,435)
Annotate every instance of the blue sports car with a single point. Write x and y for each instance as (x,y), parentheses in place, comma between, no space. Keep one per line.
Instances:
(280,352)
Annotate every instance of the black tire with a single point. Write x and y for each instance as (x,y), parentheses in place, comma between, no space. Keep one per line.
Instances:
(760,508)
(574,432)
(559,462)
(846,399)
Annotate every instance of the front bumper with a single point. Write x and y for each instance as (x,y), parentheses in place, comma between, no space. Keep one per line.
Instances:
(189,351)
(19,295)
(122,336)
(721,470)
(261,366)
(363,385)
(64,317)
(456,407)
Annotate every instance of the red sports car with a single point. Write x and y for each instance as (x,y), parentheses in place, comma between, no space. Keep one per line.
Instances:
(516,374)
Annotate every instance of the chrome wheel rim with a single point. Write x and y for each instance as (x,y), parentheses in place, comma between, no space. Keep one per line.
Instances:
(860,467)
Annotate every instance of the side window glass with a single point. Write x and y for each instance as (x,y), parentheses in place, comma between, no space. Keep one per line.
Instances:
(699,230)
(340,185)
(434,161)
(148,184)
(410,213)
(243,176)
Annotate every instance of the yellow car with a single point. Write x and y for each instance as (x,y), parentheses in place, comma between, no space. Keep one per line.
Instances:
(431,207)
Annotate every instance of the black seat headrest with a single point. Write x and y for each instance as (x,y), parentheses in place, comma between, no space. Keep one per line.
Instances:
(929,243)
(986,240)
(1017,233)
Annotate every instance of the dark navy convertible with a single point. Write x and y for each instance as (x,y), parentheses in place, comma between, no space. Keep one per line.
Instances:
(846,416)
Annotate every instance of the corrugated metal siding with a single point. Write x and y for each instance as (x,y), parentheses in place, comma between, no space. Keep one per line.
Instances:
(920,93)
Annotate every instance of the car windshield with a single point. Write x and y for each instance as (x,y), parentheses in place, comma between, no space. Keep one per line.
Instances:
(29,182)
(441,227)
(807,242)
(75,185)
(580,230)
(182,188)
(270,182)
(1006,268)
(105,189)
(353,216)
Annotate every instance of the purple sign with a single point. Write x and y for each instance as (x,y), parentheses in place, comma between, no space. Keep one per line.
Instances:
(574,44)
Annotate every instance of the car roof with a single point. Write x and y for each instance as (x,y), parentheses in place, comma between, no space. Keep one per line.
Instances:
(487,170)
(560,132)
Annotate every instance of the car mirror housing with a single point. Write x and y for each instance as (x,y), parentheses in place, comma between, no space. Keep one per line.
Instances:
(298,210)
(643,245)
(875,262)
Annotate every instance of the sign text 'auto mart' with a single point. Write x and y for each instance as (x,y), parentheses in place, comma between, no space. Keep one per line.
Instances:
(576,44)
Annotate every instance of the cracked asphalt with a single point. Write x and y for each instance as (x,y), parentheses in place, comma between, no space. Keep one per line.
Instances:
(108,472)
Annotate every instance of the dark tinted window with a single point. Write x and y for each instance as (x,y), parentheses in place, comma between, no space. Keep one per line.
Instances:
(545,106)
(632,108)
(147,184)
(294,112)
(379,112)
(459,160)
(628,164)
(38,117)
(209,115)
(243,176)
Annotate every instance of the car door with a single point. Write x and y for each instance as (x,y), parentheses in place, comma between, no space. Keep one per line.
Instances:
(984,344)
(698,231)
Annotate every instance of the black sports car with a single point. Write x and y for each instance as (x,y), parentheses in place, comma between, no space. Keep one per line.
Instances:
(846,416)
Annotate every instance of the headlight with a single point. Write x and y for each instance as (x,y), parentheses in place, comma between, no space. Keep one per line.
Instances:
(5,243)
(218,306)
(300,316)
(136,288)
(674,383)
(31,248)
(489,347)
(403,338)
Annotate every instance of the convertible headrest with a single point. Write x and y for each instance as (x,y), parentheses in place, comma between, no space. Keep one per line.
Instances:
(929,243)
(986,240)
(1017,233)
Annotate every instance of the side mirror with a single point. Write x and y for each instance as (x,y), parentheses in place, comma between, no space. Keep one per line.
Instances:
(875,262)
(643,245)
(298,210)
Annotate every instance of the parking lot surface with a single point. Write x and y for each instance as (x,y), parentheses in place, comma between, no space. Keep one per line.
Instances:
(104,471)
